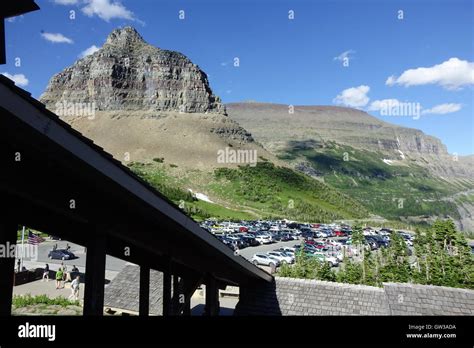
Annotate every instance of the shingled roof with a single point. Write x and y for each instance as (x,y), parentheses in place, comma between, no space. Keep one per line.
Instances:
(122,292)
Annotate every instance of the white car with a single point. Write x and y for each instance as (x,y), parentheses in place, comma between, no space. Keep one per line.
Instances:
(283,258)
(331,259)
(262,259)
(263,239)
(289,249)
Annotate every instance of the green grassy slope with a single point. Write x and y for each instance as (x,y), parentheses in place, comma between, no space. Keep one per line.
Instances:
(262,191)
(392,191)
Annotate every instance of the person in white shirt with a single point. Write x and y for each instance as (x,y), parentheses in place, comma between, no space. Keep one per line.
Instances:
(75,288)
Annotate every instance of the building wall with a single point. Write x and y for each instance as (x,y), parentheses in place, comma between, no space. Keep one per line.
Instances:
(289,296)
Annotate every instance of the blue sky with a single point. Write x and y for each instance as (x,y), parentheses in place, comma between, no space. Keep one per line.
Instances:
(283,60)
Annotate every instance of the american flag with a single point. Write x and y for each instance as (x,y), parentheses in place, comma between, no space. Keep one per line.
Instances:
(34,238)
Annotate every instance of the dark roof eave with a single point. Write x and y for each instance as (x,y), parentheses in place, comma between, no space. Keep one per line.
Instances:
(17,7)
(131,182)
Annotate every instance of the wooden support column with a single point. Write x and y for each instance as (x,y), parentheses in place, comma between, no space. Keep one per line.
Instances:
(212,297)
(187,304)
(176,295)
(95,274)
(167,289)
(144,298)
(8,236)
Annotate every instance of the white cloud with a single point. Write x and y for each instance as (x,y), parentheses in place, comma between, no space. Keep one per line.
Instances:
(66,2)
(107,10)
(451,74)
(56,38)
(383,104)
(344,55)
(353,97)
(13,19)
(89,51)
(442,109)
(19,79)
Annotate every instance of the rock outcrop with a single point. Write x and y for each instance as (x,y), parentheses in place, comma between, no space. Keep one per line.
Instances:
(146,103)
(129,74)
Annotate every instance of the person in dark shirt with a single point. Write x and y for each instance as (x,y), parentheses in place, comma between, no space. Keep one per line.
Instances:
(46,273)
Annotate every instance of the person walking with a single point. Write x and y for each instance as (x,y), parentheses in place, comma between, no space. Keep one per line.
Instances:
(46,273)
(75,289)
(59,278)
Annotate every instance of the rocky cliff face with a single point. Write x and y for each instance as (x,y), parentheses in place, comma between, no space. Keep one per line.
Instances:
(129,74)
(274,125)
(147,103)
(275,128)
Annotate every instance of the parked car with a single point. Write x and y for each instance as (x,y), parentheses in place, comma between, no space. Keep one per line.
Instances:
(275,236)
(287,250)
(328,258)
(263,239)
(310,253)
(251,240)
(280,256)
(262,259)
(371,242)
(229,242)
(61,254)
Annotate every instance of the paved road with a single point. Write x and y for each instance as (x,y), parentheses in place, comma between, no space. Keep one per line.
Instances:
(112,263)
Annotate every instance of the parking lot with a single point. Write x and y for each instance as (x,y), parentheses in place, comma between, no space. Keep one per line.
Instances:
(264,242)
(264,248)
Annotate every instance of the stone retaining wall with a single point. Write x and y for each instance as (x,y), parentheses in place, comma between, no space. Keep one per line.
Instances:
(289,296)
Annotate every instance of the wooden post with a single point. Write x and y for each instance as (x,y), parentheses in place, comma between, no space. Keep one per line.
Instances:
(176,295)
(8,236)
(144,298)
(95,274)
(167,289)
(212,297)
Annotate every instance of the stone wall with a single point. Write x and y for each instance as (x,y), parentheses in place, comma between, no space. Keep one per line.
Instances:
(288,296)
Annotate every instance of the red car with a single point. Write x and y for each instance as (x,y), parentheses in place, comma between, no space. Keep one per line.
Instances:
(340,234)
(310,241)
(315,243)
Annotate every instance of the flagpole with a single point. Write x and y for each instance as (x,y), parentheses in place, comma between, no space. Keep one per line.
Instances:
(22,247)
